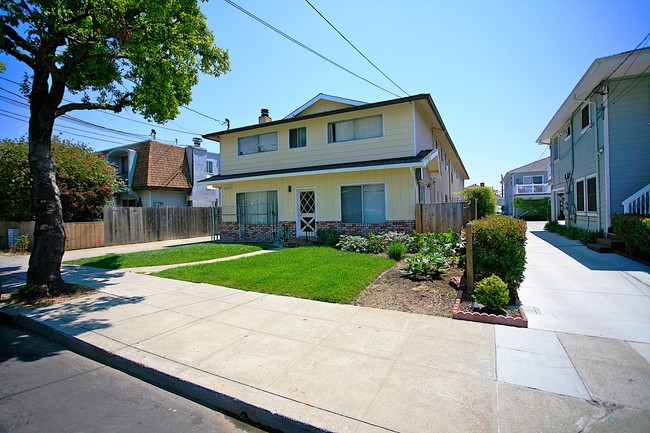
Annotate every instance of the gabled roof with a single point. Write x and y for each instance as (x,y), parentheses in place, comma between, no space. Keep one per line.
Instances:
(422,100)
(422,158)
(160,166)
(323,97)
(539,165)
(628,64)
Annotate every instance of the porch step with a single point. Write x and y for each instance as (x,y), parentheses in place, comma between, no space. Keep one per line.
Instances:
(614,244)
(600,248)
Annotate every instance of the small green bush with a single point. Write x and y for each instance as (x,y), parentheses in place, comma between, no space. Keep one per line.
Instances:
(486,203)
(499,247)
(354,243)
(328,236)
(634,230)
(584,236)
(425,264)
(396,251)
(491,292)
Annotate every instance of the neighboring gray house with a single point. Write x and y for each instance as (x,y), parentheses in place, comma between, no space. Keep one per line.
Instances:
(600,142)
(158,174)
(528,182)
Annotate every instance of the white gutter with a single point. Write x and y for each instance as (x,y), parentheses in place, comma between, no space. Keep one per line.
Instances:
(608,204)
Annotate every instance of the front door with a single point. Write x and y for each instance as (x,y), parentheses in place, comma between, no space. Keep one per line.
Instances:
(306,221)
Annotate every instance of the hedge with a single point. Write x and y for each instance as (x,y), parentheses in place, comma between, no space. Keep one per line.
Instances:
(634,230)
(499,244)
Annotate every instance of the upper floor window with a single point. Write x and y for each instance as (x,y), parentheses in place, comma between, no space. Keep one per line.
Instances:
(297,138)
(533,179)
(210,167)
(567,132)
(586,117)
(355,129)
(555,150)
(258,143)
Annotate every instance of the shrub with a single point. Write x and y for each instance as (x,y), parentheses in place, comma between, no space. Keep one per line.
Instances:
(584,236)
(328,236)
(376,243)
(499,247)
(486,203)
(634,230)
(425,264)
(491,292)
(357,244)
(396,251)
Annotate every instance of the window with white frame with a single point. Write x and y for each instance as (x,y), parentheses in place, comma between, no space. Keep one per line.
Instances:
(298,137)
(355,129)
(586,194)
(533,179)
(210,167)
(258,143)
(592,194)
(585,116)
(567,132)
(258,207)
(363,203)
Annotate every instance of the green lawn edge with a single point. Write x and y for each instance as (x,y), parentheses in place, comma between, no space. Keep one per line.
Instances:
(317,273)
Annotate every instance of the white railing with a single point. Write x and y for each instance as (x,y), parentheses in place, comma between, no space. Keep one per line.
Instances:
(532,188)
(639,202)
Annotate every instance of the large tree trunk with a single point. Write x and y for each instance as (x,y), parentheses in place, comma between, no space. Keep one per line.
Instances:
(44,273)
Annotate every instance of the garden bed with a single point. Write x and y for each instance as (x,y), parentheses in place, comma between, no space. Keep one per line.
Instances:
(463,311)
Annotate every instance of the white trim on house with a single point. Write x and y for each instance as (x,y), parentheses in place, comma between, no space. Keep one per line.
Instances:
(322,96)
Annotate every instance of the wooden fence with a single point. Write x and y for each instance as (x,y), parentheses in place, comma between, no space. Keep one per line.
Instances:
(127,225)
(440,217)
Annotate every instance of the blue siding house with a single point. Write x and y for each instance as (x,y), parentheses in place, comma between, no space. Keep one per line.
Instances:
(528,182)
(600,142)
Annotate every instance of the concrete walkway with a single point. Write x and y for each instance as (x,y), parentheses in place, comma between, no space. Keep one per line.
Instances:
(299,365)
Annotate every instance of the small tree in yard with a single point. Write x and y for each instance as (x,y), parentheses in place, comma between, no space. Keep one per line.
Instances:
(128,53)
(86,180)
(486,203)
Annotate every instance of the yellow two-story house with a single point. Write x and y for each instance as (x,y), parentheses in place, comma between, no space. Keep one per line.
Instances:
(336,163)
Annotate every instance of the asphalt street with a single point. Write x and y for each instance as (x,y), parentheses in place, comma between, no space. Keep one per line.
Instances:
(46,388)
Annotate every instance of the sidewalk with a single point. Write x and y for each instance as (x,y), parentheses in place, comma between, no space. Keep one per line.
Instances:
(300,365)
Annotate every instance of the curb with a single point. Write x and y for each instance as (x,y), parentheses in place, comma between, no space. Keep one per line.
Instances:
(519,322)
(212,399)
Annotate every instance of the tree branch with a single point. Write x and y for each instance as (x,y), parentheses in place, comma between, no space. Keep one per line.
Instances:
(12,41)
(124,101)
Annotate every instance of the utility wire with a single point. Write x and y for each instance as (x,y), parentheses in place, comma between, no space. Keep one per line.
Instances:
(300,44)
(353,46)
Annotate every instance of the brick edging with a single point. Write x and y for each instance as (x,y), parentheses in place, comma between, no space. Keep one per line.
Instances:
(520,322)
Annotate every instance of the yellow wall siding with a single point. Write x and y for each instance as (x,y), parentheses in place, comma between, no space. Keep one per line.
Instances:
(400,198)
(322,106)
(397,142)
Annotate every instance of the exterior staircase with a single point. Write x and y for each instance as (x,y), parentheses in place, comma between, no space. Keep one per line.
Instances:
(609,244)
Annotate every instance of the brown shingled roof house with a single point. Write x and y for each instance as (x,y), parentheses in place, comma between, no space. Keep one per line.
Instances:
(159,174)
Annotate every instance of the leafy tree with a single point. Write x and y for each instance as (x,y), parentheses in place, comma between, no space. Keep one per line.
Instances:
(486,203)
(86,180)
(125,53)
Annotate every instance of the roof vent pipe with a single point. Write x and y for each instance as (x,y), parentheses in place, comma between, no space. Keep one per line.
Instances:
(197,141)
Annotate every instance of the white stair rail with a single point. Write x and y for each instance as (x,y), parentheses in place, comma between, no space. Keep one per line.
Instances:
(639,202)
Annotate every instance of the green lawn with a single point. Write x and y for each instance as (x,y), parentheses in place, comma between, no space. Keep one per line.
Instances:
(169,255)
(318,273)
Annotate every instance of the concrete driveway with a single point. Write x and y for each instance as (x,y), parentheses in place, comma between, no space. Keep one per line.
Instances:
(569,288)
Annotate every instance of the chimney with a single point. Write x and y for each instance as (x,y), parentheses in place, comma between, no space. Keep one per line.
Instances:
(264,117)
(482,183)
(197,141)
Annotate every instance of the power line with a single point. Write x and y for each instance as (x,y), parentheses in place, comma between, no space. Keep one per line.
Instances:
(353,46)
(300,44)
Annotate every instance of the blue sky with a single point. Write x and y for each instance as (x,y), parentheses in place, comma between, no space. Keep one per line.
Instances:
(497,71)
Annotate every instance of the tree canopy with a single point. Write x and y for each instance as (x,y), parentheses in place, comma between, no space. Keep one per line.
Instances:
(86,180)
(143,54)
(486,203)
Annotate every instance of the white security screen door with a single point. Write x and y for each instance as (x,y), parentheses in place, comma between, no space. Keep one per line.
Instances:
(306,223)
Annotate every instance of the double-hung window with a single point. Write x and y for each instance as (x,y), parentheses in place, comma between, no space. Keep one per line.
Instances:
(355,129)
(364,204)
(210,167)
(297,138)
(259,207)
(586,194)
(257,143)
(556,148)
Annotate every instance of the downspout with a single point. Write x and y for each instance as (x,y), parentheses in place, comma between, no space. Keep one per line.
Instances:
(415,195)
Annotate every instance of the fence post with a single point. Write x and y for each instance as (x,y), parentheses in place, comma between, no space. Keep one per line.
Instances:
(469,261)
